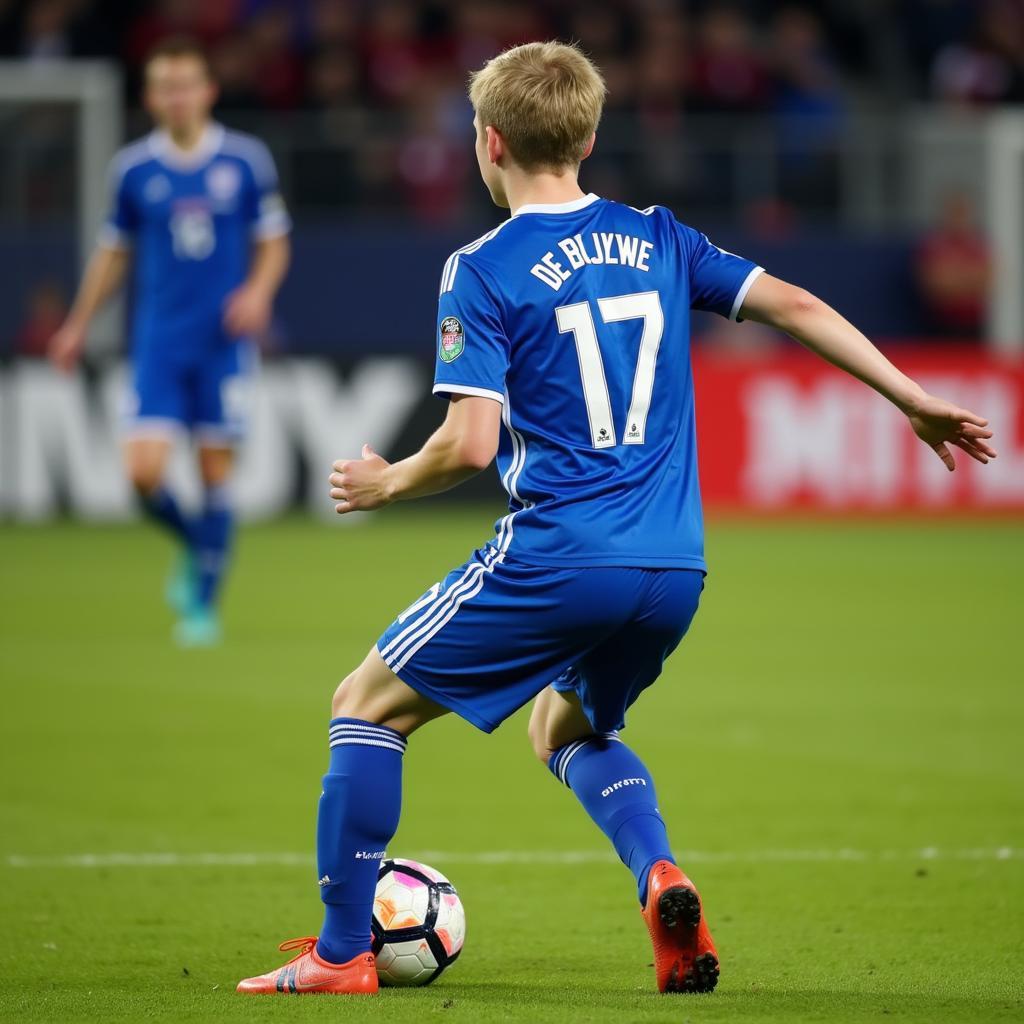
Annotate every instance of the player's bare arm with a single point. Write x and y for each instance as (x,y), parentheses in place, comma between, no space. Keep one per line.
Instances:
(248,309)
(103,276)
(825,332)
(464,444)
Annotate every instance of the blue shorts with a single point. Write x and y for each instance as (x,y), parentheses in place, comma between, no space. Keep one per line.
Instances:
(494,633)
(204,392)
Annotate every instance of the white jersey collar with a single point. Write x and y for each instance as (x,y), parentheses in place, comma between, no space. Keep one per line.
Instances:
(164,148)
(570,207)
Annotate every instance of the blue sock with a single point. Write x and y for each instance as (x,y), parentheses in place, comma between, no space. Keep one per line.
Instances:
(211,539)
(162,507)
(617,791)
(358,816)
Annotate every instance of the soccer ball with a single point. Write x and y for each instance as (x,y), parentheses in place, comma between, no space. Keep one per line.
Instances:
(419,925)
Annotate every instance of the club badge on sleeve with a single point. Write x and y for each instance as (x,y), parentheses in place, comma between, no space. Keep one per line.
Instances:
(453,339)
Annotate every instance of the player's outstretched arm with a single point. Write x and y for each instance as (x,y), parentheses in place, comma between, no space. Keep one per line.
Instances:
(461,447)
(103,276)
(821,329)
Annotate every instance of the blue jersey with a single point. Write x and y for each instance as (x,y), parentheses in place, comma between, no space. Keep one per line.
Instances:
(192,218)
(576,316)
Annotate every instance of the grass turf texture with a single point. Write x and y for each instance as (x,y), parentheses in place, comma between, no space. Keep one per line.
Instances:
(844,686)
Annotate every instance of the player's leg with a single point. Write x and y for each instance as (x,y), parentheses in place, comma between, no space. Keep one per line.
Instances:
(373,693)
(607,777)
(574,730)
(373,712)
(146,455)
(217,388)
(200,575)
(157,417)
(215,524)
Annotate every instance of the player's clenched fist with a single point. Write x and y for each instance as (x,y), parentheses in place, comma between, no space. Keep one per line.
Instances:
(359,485)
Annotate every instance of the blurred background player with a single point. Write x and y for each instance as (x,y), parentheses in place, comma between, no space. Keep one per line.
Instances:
(569,326)
(200,207)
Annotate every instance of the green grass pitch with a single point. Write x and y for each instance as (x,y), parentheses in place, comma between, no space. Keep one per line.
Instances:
(837,747)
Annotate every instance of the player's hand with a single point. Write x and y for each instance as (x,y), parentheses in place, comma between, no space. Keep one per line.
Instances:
(247,311)
(359,485)
(940,424)
(66,346)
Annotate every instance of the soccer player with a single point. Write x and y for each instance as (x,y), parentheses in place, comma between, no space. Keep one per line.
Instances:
(563,347)
(200,206)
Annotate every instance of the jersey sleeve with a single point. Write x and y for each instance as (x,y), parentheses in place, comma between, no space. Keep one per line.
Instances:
(719,280)
(265,209)
(122,220)
(472,346)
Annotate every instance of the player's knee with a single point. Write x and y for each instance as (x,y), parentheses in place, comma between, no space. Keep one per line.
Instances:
(358,697)
(346,703)
(372,693)
(539,739)
(145,478)
(215,465)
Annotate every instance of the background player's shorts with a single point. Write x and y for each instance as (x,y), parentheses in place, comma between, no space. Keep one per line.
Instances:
(204,392)
(493,634)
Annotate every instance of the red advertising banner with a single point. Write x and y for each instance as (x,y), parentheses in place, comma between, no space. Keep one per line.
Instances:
(786,432)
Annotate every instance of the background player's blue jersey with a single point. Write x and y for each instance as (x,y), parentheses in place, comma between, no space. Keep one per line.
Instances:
(192,219)
(577,317)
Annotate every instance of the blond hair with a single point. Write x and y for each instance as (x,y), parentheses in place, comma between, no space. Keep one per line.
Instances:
(544,98)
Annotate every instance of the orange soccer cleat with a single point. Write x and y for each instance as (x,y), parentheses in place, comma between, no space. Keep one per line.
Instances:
(307,972)
(684,953)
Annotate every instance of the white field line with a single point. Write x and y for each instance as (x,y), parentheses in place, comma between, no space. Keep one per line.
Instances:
(551,858)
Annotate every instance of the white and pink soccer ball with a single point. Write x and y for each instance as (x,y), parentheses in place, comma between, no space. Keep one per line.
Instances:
(419,925)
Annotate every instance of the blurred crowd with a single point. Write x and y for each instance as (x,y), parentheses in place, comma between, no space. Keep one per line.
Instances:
(363,101)
(376,90)
(715,55)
